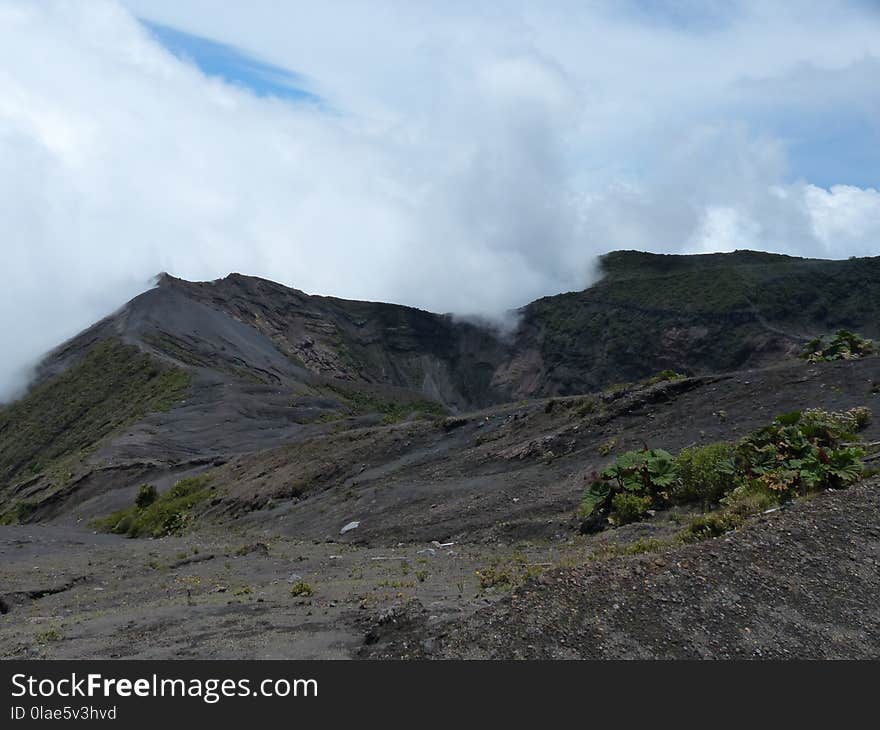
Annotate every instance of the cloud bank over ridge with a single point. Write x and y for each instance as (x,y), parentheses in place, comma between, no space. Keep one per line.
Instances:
(457,157)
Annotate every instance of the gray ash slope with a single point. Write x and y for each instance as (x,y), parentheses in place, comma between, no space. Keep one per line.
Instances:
(800,583)
(308,412)
(694,314)
(302,394)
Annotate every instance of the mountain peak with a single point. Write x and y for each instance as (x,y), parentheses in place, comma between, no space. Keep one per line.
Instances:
(163,278)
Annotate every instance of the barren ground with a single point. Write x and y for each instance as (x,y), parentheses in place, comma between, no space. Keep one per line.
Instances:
(502,488)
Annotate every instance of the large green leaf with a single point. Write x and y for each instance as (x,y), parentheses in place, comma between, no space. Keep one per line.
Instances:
(661,467)
(594,496)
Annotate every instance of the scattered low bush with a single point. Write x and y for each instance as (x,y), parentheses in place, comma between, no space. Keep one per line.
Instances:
(705,474)
(166,514)
(845,345)
(627,507)
(662,377)
(749,499)
(712,524)
(301,588)
(607,447)
(804,452)
(585,407)
(577,407)
(492,577)
(639,547)
(51,428)
(797,454)
(506,573)
(19,512)
(49,635)
(617,389)
(146,495)
(392,409)
(624,492)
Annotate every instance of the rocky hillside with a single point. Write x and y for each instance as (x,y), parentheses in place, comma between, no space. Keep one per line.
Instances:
(190,376)
(466,544)
(799,583)
(648,312)
(693,314)
(326,478)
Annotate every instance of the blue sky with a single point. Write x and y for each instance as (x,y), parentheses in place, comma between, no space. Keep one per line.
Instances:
(685,15)
(232,64)
(826,143)
(833,149)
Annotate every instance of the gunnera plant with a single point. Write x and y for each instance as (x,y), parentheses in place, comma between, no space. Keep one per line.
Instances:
(845,345)
(637,482)
(796,454)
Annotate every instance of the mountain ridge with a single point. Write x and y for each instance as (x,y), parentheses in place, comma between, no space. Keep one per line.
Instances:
(319,332)
(414,469)
(267,365)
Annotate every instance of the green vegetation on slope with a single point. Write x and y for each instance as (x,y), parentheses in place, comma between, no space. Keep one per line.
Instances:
(700,313)
(797,454)
(844,345)
(184,353)
(159,515)
(59,420)
(393,409)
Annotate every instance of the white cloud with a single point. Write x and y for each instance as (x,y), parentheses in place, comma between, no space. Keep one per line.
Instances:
(845,217)
(724,229)
(477,155)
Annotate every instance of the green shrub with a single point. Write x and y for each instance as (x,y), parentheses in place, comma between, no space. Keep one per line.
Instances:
(509,572)
(862,416)
(617,389)
(639,547)
(713,524)
(585,407)
(167,514)
(748,500)
(831,426)
(662,377)
(301,588)
(49,635)
(493,576)
(392,410)
(625,491)
(705,474)
(801,453)
(797,454)
(845,345)
(146,495)
(627,507)
(18,512)
(607,447)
